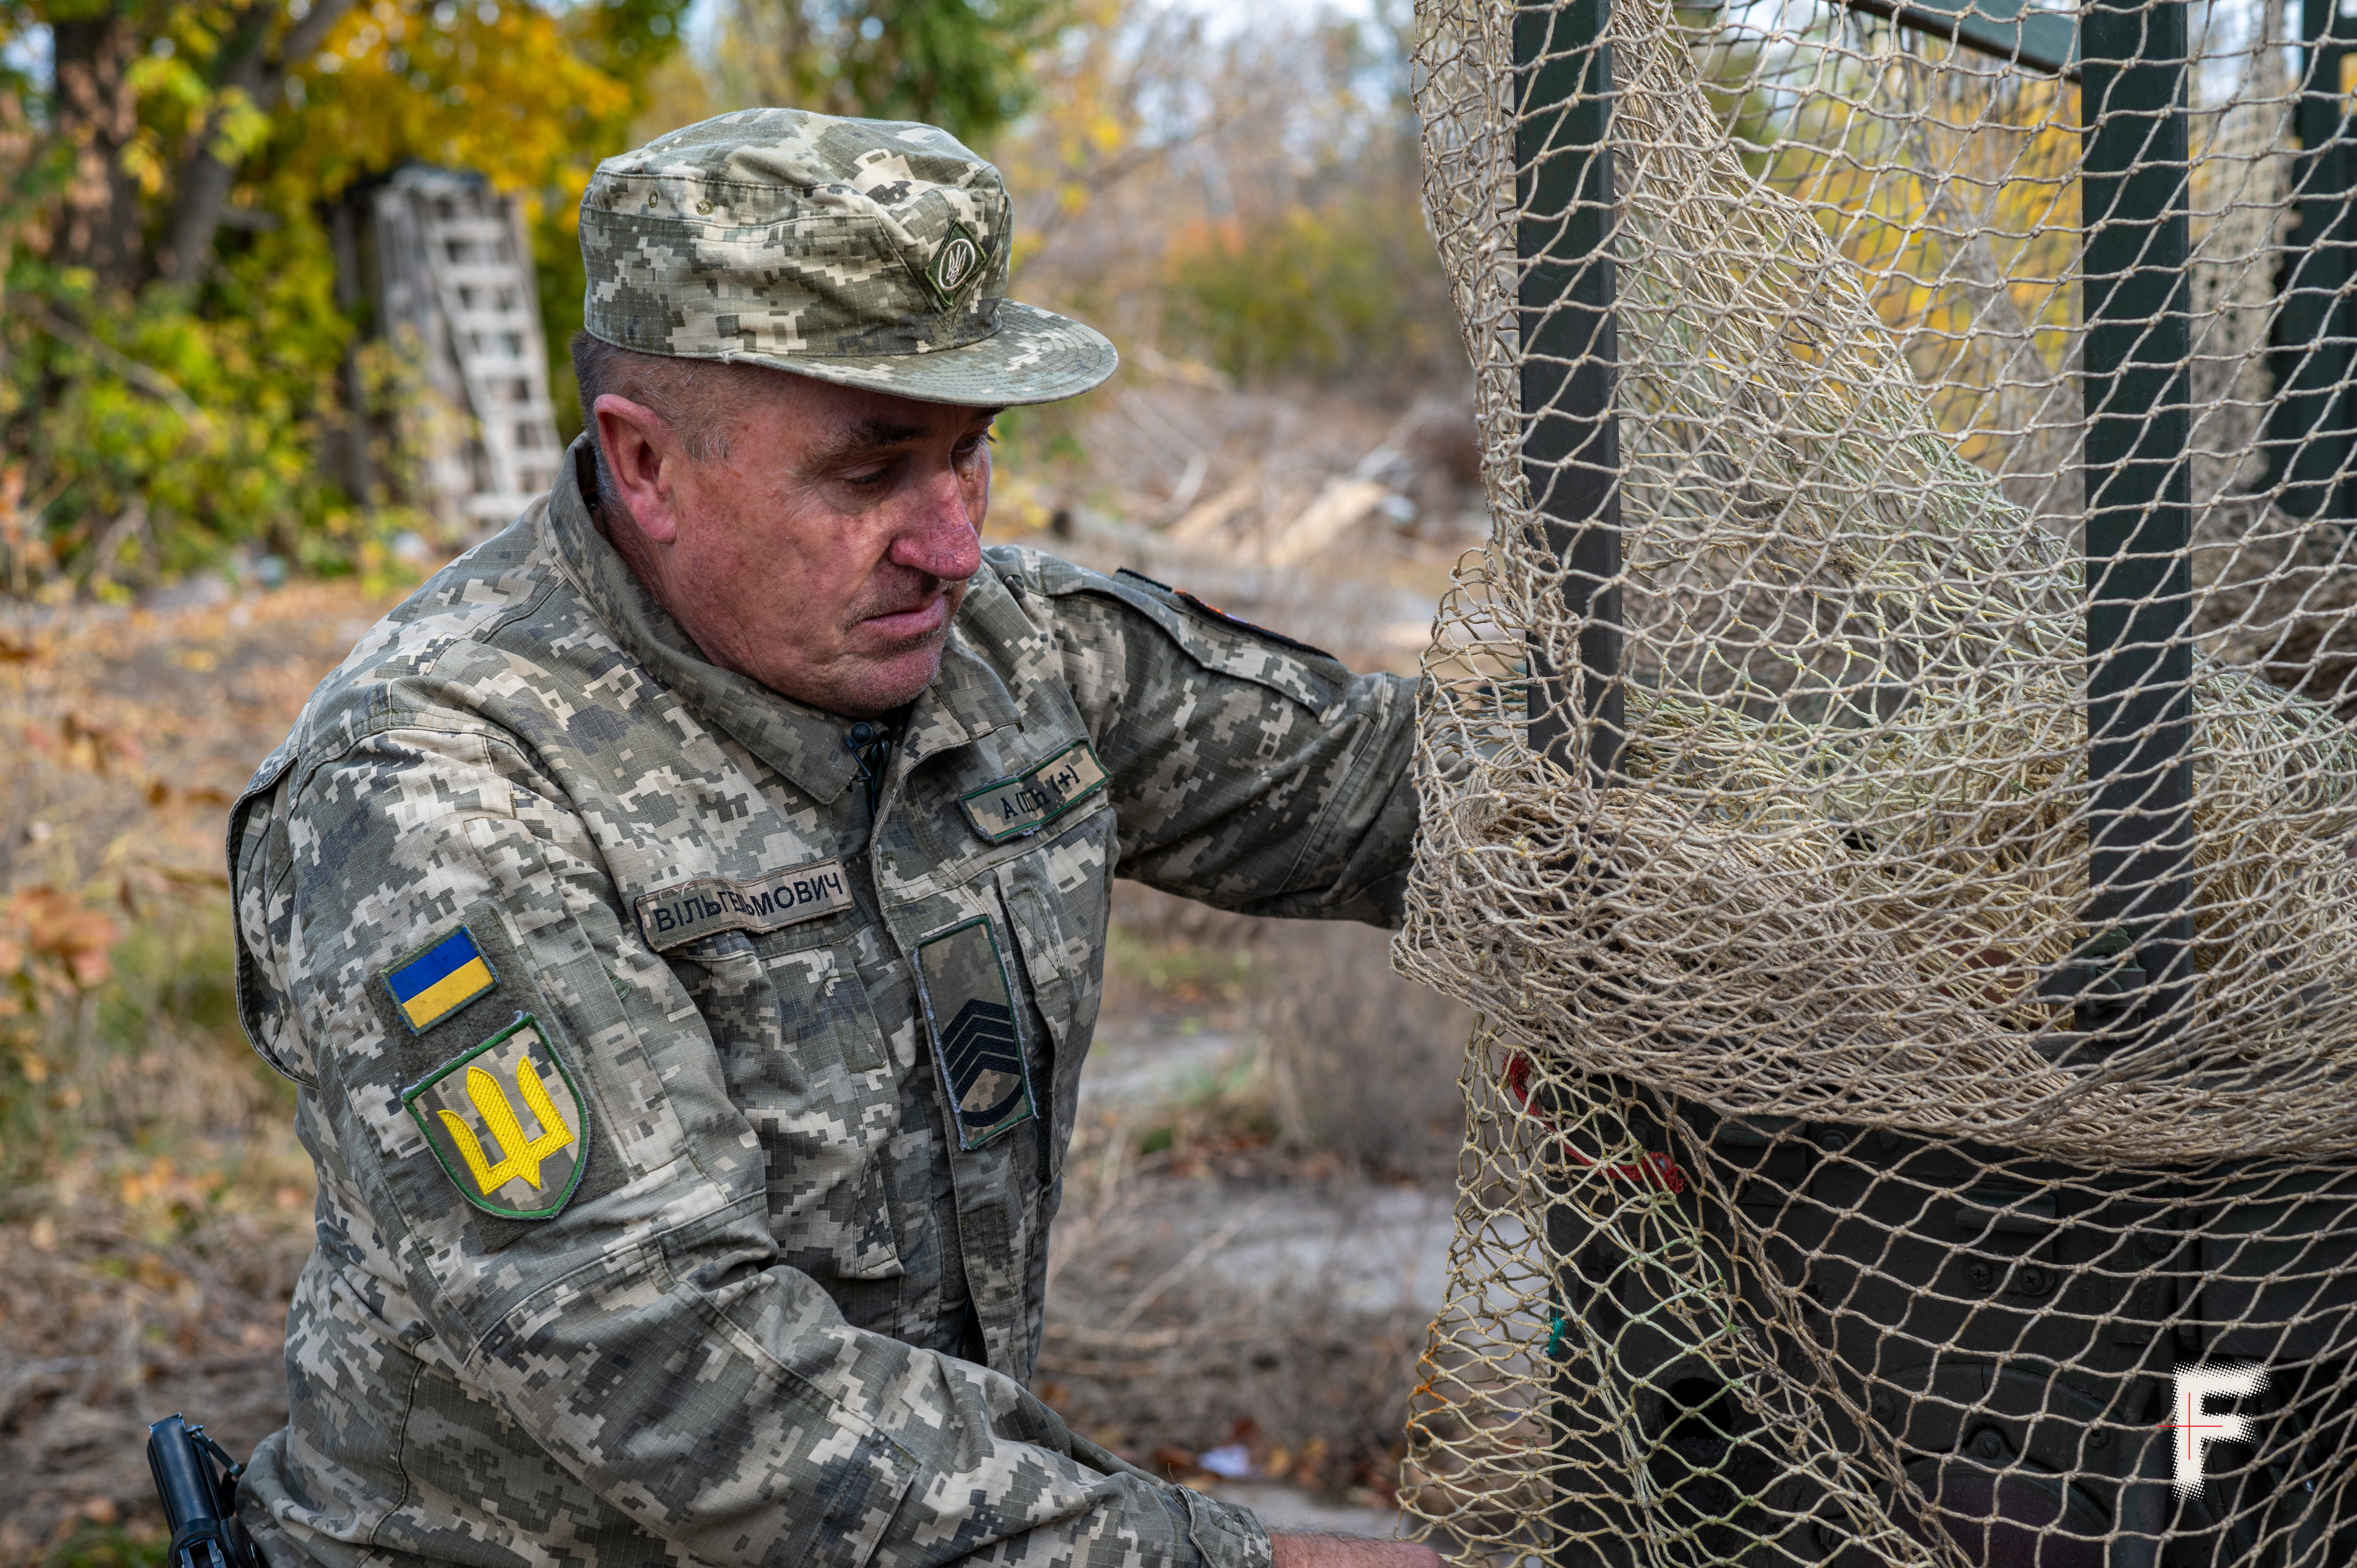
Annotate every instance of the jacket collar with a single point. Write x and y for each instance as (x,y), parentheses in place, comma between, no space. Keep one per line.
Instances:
(967,700)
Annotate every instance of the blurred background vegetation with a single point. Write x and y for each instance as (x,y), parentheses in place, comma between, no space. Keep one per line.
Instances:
(176,354)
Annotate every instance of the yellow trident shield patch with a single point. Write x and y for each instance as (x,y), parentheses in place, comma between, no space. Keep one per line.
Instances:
(507,1122)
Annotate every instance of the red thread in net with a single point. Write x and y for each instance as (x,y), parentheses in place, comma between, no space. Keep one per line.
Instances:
(1651,1169)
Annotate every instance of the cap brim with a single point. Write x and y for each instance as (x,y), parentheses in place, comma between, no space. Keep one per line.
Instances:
(1036,356)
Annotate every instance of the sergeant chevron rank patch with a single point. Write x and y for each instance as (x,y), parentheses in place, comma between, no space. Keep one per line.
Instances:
(1027,802)
(970,1010)
(507,1122)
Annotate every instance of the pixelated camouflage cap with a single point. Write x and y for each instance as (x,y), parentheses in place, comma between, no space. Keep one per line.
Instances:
(869,253)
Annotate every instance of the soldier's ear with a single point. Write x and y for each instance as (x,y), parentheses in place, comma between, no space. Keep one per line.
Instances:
(642,459)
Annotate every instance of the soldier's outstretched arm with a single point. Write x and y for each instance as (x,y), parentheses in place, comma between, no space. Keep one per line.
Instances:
(540,1209)
(1250,771)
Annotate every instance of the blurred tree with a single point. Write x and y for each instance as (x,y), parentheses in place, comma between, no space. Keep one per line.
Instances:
(172,347)
(1251,202)
(964,65)
(1348,289)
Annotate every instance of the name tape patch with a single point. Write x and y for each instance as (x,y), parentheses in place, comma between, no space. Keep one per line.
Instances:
(1027,802)
(709,904)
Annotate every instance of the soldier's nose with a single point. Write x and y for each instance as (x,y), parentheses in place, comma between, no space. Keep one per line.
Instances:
(943,538)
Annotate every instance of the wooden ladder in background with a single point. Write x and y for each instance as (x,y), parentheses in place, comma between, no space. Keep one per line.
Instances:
(456,269)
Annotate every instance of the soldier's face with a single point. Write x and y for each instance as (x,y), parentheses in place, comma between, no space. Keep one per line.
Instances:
(826,552)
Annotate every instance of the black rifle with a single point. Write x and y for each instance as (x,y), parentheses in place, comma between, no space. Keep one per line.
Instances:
(199,1501)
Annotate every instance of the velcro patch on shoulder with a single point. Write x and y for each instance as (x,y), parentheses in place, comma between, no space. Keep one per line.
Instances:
(507,1122)
(1210,611)
(1025,802)
(434,982)
(1219,641)
(1215,612)
(680,915)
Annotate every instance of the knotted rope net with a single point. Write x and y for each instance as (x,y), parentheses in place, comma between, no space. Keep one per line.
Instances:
(1862,1167)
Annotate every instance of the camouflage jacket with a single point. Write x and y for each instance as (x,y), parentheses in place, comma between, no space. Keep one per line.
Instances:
(687,1133)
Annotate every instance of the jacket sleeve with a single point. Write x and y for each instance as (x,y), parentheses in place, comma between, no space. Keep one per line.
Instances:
(1249,771)
(644,1334)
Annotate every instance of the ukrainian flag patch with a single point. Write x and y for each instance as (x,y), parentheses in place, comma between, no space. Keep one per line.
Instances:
(431,985)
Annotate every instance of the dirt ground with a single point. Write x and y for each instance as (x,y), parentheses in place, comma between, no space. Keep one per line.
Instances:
(149,1241)
(1215,1290)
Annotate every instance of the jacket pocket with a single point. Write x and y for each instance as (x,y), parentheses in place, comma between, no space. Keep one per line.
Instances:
(803,1059)
(1056,899)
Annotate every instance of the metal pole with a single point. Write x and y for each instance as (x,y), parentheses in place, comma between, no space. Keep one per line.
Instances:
(1571,461)
(2308,440)
(2140,511)
(1571,440)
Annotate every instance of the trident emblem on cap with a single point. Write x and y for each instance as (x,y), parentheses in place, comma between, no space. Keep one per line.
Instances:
(956,265)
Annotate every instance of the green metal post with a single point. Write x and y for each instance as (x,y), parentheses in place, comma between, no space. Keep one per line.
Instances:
(2140,513)
(1571,441)
(1571,461)
(2308,431)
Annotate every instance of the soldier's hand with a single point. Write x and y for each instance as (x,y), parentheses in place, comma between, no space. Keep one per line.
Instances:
(1351,1551)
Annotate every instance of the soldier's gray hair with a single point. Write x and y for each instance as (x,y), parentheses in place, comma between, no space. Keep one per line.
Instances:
(692,397)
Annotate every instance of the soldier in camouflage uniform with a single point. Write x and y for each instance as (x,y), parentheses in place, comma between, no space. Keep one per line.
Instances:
(684,919)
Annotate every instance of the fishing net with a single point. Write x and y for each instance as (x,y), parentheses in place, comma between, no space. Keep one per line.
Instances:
(1890,791)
